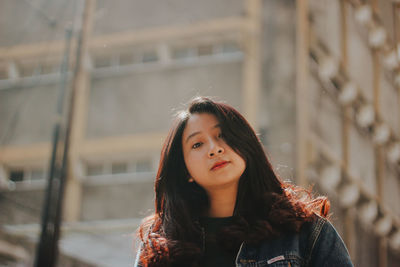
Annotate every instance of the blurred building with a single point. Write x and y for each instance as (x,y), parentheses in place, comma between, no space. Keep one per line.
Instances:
(326,105)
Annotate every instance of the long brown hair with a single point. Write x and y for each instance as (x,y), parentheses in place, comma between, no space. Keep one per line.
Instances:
(265,207)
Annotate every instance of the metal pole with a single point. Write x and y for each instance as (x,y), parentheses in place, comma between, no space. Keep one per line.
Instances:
(46,252)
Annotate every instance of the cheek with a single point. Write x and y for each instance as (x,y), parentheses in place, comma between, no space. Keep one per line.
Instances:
(191,162)
(241,162)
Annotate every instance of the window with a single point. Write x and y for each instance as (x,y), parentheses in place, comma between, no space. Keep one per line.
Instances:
(94,169)
(108,169)
(102,62)
(205,50)
(183,52)
(150,56)
(27,175)
(230,48)
(47,68)
(117,168)
(16,175)
(26,70)
(126,58)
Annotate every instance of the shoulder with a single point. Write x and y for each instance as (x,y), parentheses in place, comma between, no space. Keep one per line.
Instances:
(317,244)
(324,246)
(310,231)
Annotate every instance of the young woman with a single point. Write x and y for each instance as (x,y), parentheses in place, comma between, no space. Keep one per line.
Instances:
(219,202)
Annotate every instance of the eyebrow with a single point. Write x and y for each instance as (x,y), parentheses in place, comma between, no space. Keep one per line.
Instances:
(196,133)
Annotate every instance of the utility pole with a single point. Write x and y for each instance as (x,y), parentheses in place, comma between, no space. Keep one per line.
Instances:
(46,252)
(60,169)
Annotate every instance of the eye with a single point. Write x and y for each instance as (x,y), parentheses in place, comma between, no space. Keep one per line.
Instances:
(197,145)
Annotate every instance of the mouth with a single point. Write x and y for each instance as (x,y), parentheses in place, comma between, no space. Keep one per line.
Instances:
(219,165)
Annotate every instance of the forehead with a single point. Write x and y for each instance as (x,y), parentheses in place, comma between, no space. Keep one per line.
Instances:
(200,122)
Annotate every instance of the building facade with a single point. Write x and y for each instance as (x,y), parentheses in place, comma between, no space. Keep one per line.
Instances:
(306,74)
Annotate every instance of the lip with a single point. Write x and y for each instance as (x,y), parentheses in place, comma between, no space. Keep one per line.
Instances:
(219,164)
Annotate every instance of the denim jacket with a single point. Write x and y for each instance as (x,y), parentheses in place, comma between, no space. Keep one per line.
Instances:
(317,245)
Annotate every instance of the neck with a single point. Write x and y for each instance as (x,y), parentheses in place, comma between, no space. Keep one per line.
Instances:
(222,201)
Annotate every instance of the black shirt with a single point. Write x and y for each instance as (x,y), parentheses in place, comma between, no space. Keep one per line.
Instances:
(214,254)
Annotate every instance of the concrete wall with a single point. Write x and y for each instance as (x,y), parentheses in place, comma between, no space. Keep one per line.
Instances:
(277,100)
(146,101)
(118,201)
(45,20)
(27,114)
(120,15)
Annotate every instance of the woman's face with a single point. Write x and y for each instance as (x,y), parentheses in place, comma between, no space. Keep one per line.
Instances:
(210,161)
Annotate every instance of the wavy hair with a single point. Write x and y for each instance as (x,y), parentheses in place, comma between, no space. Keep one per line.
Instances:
(265,207)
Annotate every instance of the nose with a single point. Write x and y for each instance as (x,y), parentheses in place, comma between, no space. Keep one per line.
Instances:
(215,149)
